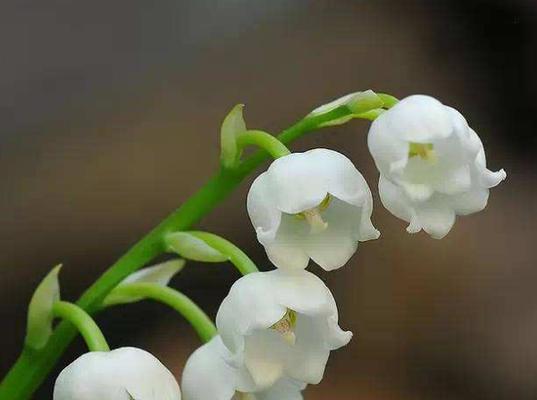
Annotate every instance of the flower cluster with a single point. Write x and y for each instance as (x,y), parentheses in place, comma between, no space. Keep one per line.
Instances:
(276,329)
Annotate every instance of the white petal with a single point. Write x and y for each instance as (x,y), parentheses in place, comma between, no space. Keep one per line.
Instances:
(262,209)
(265,356)
(418,192)
(389,152)
(284,389)
(470,202)
(296,182)
(286,250)
(435,218)
(394,200)
(121,374)
(287,255)
(487,178)
(455,181)
(207,375)
(333,247)
(309,359)
(418,118)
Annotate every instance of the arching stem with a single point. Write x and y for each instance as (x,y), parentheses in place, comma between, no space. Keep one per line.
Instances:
(201,323)
(81,320)
(264,141)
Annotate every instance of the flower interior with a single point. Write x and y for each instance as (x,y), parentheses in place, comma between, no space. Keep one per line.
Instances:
(423,150)
(313,216)
(286,326)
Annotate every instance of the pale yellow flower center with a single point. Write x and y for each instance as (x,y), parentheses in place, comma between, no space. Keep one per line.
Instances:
(286,326)
(423,150)
(313,216)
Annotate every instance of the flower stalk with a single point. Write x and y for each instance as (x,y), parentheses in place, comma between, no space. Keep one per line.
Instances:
(81,320)
(264,141)
(201,323)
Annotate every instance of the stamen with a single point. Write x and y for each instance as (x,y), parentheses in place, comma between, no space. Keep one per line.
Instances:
(286,326)
(423,150)
(314,218)
(313,215)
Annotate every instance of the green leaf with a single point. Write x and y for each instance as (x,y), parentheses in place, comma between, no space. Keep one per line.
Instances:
(160,274)
(191,247)
(232,126)
(40,314)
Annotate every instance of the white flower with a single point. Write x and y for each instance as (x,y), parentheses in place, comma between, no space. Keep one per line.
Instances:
(126,373)
(432,164)
(209,376)
(280,324)
(311,205)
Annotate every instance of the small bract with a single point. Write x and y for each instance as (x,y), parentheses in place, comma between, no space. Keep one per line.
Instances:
(311,205)
(126,373)
(432,164)
(208,375)
(280,324)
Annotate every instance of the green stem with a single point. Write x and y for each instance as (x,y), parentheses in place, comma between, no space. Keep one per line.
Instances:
(32,367)
(81,320)
(237,257)
(201,323)
(263,140)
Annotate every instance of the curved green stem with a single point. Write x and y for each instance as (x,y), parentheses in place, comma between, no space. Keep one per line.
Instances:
(263,140)
(33,366)
(237,257)
(201,323)
(87,327)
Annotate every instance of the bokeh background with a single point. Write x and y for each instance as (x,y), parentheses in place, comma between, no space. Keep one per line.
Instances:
(109,119)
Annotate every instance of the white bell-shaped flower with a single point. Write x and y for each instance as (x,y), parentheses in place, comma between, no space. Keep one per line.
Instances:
(311,205)
(208,375)
(126,373)
(432,164)
(281,323)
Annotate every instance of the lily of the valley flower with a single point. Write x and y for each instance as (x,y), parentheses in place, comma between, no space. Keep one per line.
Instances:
(126,373)
(208,375)
(432,164)
(280,324)
(311,205)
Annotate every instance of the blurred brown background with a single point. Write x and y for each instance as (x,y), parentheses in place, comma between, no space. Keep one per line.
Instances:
(109,116)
